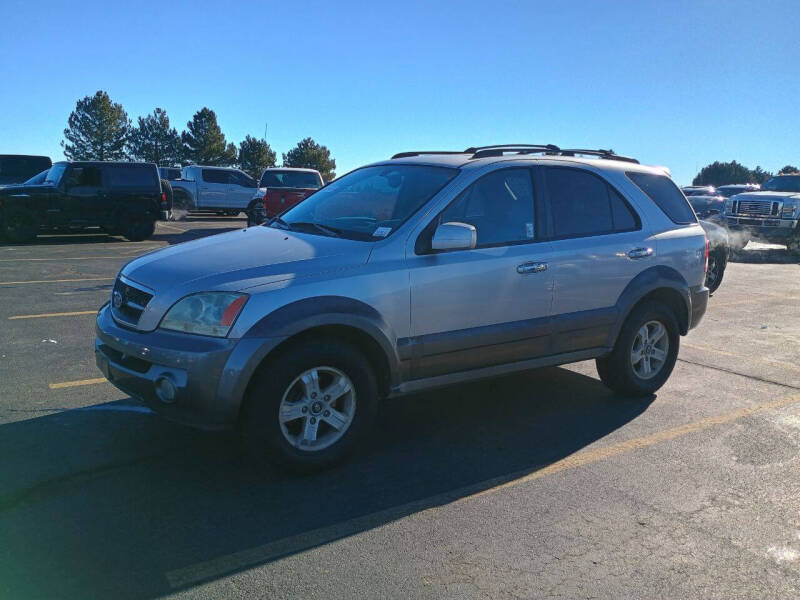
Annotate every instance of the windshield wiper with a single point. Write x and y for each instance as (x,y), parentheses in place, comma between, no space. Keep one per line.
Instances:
(283,224)
(330,231)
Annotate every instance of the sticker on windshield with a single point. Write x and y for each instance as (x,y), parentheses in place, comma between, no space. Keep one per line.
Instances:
(382,232)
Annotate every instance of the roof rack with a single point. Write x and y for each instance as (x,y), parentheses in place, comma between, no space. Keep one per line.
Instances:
(501,149)
(608,154)
(420,152)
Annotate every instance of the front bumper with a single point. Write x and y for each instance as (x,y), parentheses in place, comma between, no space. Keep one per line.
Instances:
(209,375)
(766,228)
(698,297)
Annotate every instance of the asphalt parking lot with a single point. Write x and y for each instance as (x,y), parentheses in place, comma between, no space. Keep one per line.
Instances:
(538,485)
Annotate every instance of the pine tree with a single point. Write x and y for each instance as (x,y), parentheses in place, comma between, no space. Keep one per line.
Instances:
(310,155)
(97,129)
(204,143)
(153,140)
(255,155)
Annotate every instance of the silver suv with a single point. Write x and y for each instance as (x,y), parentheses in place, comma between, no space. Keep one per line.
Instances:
(429,269)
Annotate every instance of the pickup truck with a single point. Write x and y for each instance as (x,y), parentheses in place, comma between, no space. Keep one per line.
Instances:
(223,190)
(771,214)
(281,188)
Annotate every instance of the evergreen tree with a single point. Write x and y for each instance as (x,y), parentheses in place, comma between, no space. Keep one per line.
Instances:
(310,155)
(255,155)
(204,143)
(97,129)
(153,140)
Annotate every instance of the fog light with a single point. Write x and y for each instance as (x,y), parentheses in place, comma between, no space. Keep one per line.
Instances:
(165,389)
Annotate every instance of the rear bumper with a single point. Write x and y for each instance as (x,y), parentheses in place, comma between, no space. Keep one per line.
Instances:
(698,297)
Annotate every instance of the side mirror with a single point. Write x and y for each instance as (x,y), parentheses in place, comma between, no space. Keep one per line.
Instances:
(454,236)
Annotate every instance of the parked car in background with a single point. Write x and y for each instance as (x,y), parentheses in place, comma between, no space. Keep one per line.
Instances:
(420,271)
(121,197)
(737,188)
(169,173)
(707,207)
(771,214)
(719,251)
(18,168)
(224,190)
(281,188)
(699,190)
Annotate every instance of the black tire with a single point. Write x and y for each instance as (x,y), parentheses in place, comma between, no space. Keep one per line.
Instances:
(139,229)
(262,431)
(717,260)
(20,226)
(793,247)
(616,369)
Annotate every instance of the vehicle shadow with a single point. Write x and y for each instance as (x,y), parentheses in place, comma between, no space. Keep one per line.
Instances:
(110,502)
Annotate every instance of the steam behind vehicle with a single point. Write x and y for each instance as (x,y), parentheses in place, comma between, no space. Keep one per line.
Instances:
(18,168)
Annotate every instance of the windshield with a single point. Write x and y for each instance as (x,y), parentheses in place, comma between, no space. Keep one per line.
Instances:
(789,183)
(38,179)
(55,173)
(290,179)
(368,203)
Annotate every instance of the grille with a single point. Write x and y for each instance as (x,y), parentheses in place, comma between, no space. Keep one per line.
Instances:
(134,302)
(755,207)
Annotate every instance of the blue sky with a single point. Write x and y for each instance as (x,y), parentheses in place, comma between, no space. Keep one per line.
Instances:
(673,83)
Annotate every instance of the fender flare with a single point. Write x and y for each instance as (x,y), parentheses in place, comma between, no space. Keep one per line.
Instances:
(649,280)
(295,318)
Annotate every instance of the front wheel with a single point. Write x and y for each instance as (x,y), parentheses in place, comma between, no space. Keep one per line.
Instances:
(645,352)
(310,406)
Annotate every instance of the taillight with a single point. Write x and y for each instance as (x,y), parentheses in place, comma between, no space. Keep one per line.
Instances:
(163,198)
(707,249)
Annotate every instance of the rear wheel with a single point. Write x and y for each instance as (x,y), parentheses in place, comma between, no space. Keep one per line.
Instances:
(794,245)
(645,352)
(20,226)
(716,269)
(139,229)
(310,407)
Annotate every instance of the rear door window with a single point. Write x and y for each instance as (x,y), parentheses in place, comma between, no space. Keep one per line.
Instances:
(85,177)
(216,176)
(666,195)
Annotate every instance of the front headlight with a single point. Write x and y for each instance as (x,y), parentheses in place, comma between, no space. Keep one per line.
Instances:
(728,206)
(206,313)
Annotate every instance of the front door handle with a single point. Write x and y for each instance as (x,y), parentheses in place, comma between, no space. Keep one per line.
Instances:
(640,253)
(531,267)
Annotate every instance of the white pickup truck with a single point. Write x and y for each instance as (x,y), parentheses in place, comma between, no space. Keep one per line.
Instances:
(223,190)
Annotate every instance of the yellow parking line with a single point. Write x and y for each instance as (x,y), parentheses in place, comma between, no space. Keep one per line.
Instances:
(69,384)
(57,280)
(56,258)
(45,315)
(777,363)
(261,554)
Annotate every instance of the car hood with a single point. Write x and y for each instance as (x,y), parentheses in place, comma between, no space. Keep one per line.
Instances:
(762,196)
(236,261)
(244,258)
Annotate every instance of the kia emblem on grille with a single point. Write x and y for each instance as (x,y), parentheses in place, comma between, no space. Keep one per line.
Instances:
(116,299)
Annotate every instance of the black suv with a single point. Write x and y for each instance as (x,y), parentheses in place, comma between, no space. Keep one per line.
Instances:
(120,197)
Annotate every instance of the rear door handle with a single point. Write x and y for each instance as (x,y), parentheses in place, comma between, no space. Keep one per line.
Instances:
(531,267)
(640,253)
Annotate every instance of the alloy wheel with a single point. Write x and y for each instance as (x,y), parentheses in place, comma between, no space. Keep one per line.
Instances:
(650,349)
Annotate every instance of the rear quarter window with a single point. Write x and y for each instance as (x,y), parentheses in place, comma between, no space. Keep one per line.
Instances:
(666,195)
(132,176)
